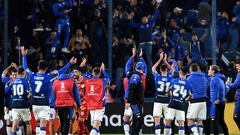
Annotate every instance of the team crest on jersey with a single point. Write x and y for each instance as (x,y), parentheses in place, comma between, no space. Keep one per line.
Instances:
(82,86)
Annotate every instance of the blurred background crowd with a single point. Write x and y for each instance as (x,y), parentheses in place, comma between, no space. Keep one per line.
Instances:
(175,27)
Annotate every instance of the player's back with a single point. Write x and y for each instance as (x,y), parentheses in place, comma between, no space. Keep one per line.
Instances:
(41,88)
(162,84)
(180,90)
(94,93)
(20,90)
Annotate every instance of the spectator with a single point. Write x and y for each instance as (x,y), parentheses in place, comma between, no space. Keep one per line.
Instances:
(145,29)
(121,53)
(48,45)
(98,33)
(61,10)
(195,47)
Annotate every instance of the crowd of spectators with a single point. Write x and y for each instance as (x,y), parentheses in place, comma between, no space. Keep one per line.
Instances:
(181,28)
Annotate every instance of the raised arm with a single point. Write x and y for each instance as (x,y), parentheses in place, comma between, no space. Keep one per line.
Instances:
(155,15)
(134,24)
(104,72)
(236,83)
(67,66)
(154,67)
(5,79)
(143,61)
(24,60)
(129,62)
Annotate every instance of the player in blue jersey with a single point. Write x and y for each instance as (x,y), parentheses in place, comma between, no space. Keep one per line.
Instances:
(61,10)
(21,92)
(236,85)
(197,109)
(217,99)
(128,111)
(179,92)
(162,84)
(12,71)
(40,83)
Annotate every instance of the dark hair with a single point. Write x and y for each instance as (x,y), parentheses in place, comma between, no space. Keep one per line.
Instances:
(194,67)
(163,67)
(97,71)
(238,62)
(20,70)
(42,65)
(184,70)
(12,70)
(80,69)
(215,68)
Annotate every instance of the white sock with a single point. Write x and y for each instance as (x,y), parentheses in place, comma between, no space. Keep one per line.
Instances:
(200,129)
(157,130)
(194,129)
(9,130)
(37,129)
(140,132)
(167,130)
(126,128)
(19,132)
(42,131)
(94,131)
(181,130)
(21,127)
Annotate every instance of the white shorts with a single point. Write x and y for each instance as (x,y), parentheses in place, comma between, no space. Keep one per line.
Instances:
(41,112)
(197,111)
(159,109)
(8,115)
(23,114)
(52,114)
(128,112)
(174,113)
(97,115)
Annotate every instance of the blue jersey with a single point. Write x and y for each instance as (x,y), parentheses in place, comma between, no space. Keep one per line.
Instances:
(162,84)
(41,84)
(8,96)
(217,88)
(20,88)
(60,7)
(200,83)
(180,89)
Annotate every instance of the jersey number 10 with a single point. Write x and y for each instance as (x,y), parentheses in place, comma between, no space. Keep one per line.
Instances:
(18,90)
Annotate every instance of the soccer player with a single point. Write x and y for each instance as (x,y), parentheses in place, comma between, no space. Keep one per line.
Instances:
(61,9)
(21,92)
(162,83)
(135,98)
(217,98)
(65,95)
(95,91)
(179,92)
(128,112)
(197,109)
(12,71)
(40,84)
(83,113)
(236,85)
